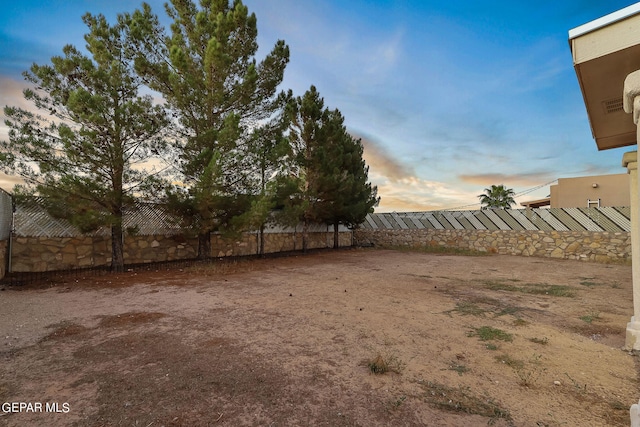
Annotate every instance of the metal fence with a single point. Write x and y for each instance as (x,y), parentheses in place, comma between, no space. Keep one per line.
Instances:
(145,219)
(614,219)
(33,220)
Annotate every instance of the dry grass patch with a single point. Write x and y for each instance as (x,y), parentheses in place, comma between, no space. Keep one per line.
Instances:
(461,399)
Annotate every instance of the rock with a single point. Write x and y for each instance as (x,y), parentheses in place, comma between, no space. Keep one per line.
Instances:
(557,382)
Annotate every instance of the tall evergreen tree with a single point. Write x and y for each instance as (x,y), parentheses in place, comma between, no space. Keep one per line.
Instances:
(307,117)
(264,161)
(328,174)
(82,153)
(206,71)
(344,196)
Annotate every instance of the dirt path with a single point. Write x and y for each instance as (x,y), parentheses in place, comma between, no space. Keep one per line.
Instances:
(293,341)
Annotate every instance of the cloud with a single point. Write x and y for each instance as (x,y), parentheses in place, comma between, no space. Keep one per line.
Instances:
(593,169)
(7,182)
(383,164)
(510,180)
(414,194)
(11,92)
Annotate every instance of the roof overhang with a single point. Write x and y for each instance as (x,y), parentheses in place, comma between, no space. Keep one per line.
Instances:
(537,203)
(604,52)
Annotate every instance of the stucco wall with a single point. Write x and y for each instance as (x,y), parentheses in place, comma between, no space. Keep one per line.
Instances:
(581,245)
(37,254)
(612,190)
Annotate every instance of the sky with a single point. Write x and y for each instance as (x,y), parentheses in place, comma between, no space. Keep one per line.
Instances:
(448,97)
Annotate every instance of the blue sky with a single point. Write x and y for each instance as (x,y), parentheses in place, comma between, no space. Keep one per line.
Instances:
(448,97)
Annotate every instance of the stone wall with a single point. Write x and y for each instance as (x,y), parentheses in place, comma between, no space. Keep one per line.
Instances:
(47,253)
(275,242)
(580,245)
(158,248)
(4,244)
(37,254)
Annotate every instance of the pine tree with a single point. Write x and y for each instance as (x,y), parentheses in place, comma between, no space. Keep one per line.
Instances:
(206,71)
(345,195)
(82,151)
(264,160)
(329,174)
(307,117)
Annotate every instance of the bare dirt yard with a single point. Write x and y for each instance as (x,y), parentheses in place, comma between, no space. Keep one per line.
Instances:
(358,337)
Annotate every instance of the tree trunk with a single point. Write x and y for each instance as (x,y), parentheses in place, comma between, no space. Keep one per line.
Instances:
(117,248)
(336,242)
(261,250)
(305,235)
(204,245)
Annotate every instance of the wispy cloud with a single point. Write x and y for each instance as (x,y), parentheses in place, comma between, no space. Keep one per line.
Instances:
(414,194)
(11,92)
(381,163)
(401,188)
(11,95)
(510,180)
(7,182)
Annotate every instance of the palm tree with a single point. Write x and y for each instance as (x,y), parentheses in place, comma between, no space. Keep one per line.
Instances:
(497,197)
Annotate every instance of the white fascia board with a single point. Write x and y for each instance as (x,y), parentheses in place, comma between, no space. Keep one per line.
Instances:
(604,21)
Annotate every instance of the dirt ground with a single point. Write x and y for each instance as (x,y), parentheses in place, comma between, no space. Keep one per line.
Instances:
(305,340)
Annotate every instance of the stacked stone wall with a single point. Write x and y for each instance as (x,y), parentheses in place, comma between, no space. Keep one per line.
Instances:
(580,245)
(158,248)
(4,244)
(275,242)
(38,254)
(51,253)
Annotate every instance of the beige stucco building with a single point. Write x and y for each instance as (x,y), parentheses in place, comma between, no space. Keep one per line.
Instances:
(606,58)
(587,191)
(594,191)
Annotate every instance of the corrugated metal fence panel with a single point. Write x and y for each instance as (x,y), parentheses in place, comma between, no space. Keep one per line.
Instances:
(419,225)
(429,216)
(523,220)
(559,219)
(469,215)
(6,214)
(32,220)
(508,219)
(369,223)
(566,219)
(399,221)
(625,210)
(485,220)
(599,218)
(385,221)
(583,219)
(537,219)
(617,218)
(491,214)
(443,220)
(451,217)
(552,221)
